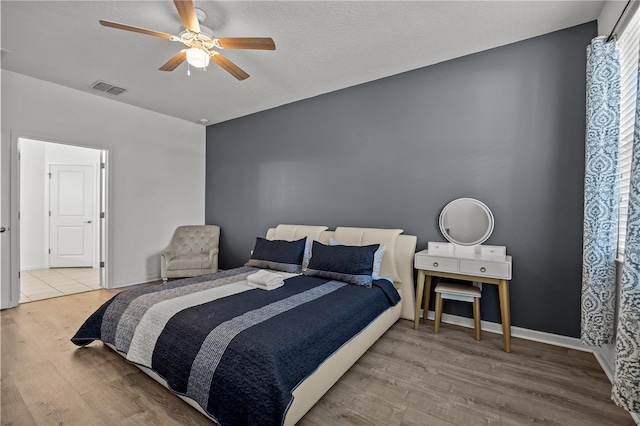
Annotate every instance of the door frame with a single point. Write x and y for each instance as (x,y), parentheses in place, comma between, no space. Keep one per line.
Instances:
(5,215)
(13,293)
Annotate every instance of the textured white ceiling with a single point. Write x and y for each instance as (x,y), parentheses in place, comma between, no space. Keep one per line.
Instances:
(321,46)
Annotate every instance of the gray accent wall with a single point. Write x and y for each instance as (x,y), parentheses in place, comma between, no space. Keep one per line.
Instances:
(505,126)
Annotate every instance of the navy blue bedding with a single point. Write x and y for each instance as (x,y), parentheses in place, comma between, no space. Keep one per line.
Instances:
(238,352)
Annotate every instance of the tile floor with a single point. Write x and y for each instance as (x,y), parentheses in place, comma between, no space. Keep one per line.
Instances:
(46,283)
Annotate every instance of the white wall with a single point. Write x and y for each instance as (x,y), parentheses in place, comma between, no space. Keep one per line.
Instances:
(610,13)
(36,158)
(157,168)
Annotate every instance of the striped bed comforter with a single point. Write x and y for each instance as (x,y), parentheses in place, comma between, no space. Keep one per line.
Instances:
(239,352)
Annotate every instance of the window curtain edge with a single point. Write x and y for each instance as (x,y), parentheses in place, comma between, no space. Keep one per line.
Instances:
(601,193)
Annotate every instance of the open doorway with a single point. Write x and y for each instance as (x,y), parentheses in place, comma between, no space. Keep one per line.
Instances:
(62,190)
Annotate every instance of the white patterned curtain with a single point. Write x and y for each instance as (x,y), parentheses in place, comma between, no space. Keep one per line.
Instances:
(626,383)
(601,192)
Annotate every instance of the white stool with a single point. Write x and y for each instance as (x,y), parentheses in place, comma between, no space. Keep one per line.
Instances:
(461,292)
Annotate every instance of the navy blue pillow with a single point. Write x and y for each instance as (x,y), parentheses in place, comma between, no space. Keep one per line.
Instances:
(351,264)
(279,255)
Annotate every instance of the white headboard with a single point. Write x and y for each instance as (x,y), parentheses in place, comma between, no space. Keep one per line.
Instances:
(296,232)
(403,252)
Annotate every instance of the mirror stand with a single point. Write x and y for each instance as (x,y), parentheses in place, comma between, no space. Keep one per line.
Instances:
(466,223)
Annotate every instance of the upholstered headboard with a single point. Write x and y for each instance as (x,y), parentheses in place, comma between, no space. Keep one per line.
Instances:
(398,258)
(296,232)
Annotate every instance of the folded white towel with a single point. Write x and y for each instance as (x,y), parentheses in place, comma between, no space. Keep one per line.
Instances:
(265,278)
(266,287)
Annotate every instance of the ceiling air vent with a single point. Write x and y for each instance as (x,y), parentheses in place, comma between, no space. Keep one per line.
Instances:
(103,86)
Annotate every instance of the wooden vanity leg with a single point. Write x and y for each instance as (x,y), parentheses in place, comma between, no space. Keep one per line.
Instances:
(427,295)
(505,312)
(419,290)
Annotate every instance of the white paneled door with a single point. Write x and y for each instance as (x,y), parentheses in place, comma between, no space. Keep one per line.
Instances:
(71,204)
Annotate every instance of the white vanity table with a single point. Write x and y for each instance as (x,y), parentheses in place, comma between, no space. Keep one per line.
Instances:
(466,223)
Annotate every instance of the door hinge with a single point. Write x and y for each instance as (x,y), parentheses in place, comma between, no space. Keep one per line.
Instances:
(49,175)
(18,274)
(102,264)
(18,160)
(49,251)
(18,215)
(102,165)
(49,213)
(101,215)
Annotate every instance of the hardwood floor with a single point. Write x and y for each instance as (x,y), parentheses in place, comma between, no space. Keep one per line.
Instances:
(409,377)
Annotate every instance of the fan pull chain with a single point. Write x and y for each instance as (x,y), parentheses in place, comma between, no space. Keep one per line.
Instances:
(188,69)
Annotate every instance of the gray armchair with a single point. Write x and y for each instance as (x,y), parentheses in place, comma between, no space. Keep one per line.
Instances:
(193,251)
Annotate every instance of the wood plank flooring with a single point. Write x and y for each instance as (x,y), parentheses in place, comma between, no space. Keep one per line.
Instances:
(409,377)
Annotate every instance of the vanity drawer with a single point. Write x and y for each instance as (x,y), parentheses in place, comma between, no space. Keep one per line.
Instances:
(436,263)
(490,269)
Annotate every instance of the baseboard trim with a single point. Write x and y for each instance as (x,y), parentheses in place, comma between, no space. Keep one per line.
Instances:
(32,268)
(128,284)
(522,333)
(604,361)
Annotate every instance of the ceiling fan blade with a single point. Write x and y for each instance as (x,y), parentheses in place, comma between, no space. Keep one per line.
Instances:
(257,43)
(229,66)
(176,60)
(137,30)
(187,12)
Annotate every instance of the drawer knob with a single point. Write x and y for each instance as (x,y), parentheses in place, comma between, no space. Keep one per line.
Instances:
(435,264)
(483,269)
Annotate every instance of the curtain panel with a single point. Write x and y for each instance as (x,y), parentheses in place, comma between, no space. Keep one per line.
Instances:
(626,383)
(601,193)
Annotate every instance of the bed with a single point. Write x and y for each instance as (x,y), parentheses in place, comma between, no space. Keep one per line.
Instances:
(260,372)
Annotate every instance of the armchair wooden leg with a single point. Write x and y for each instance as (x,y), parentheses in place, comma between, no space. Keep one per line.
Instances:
(436,325)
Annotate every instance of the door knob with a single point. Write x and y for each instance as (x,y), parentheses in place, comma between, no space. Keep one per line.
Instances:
(2,229)
(88,221)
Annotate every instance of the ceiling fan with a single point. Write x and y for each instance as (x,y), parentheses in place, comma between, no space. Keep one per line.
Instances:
(201,46)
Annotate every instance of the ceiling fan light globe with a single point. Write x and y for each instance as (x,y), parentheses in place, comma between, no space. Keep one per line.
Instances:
(197,58)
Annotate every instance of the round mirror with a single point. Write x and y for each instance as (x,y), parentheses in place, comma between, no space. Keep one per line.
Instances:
(466,222)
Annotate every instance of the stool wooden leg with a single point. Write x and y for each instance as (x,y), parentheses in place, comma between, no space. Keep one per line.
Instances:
(419,290)
(476,316)
(436,325)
